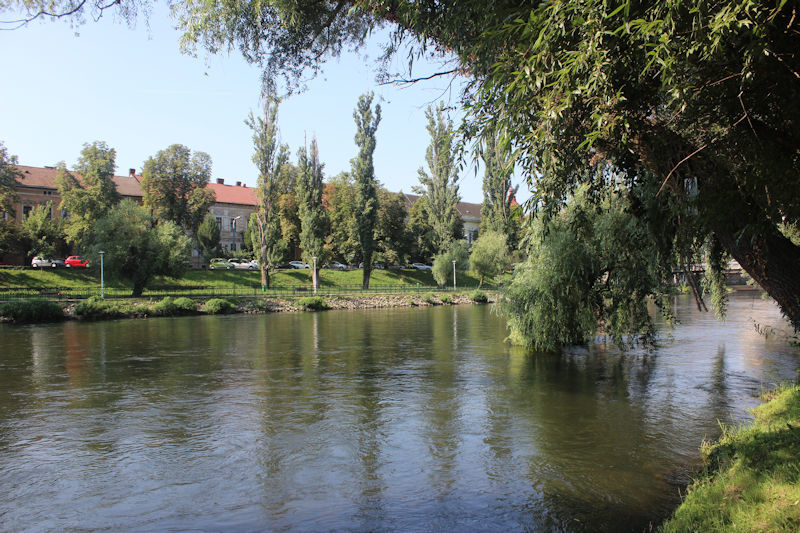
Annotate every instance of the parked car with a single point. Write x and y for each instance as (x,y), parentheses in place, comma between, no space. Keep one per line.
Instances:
(421,266)
(298,264)
(244,264)
(220,264)
(336,265)
(41,262)
(75,261)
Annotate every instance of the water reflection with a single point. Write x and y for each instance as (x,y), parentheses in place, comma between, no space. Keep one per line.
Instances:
(402,419)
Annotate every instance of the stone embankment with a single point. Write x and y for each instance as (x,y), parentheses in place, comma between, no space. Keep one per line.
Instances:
(361,302)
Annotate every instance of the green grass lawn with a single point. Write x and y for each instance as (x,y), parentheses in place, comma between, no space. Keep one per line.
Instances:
(752,476)
(65,278)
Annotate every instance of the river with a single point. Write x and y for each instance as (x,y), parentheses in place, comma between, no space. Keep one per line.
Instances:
(414,419)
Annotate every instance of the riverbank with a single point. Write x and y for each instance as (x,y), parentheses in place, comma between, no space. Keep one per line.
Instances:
(37,311)
(751,479)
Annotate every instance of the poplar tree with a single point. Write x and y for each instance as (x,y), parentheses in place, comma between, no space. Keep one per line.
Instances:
(498,193)
(364,176)
(269,157)
(313,219)
(440,188)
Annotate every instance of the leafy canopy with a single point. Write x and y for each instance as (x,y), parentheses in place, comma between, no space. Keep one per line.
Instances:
(174,186)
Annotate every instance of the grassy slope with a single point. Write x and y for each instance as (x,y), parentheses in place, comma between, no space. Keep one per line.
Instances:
(752,478)
(77,278)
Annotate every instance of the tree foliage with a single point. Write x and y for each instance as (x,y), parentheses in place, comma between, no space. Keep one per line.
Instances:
(440,187)
(208,237)
(489,255)
(174,186)
(343,237)
(41,232)
(136,248)
(582,271)
(8,178)
(498,211)
(89,197)
(269,157)
(443,263)
(421,232)
(392,238)
(364,179)
(313,218)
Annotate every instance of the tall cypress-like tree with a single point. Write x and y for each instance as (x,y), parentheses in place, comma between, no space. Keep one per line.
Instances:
(498,193)
(269,157)
(440,188)
(91,198)
(313,219)
(364,176)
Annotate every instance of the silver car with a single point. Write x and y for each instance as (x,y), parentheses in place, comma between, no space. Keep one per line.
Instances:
(42,262)
(421,266)
(243,264)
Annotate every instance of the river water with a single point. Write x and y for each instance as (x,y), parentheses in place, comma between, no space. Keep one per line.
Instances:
(416,419)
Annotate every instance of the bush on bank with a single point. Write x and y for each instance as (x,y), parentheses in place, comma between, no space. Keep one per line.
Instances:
(479,297)
(32,311)
(218,306)
(751,481)
(313,303)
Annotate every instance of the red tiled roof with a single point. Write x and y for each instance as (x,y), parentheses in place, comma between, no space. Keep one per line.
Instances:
(233,194)
(45,178)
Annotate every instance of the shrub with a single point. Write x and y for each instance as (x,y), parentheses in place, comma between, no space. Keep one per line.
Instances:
(186,305)
(445,299)
(218,306)
(479,297)
(95,308)
(443,263)
(313,303)
(430,298)
(32,311)
(173,307)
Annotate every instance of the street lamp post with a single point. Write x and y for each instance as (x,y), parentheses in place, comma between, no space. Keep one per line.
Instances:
(454,275)
(102,276)
(314,274)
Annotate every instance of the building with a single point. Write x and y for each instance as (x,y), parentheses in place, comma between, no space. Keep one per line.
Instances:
(232,209)
(470,216)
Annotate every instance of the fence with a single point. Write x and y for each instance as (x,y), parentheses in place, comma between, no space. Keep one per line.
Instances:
(68,293)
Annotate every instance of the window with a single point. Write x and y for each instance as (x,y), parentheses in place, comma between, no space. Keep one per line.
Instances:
(26,210)
(219,221)
(233,247)
(233,224)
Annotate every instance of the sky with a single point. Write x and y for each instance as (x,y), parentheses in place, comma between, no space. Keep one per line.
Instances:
(62,87)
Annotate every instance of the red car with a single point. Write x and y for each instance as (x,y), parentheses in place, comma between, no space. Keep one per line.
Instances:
(75,261)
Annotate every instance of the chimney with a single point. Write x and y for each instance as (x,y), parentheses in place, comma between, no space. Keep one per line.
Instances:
(131,172)
(220,181)
(238,183)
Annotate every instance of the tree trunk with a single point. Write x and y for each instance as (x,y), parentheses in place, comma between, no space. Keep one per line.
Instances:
(367,272)
(773,262)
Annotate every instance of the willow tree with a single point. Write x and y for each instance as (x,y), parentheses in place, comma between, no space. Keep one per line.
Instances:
(269,156)
(440,187)
(313,219)
(364,180)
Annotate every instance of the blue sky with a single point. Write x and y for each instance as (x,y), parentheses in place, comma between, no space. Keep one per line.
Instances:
(63,86)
